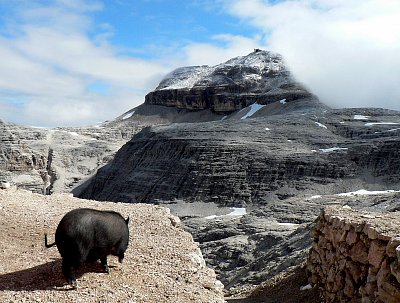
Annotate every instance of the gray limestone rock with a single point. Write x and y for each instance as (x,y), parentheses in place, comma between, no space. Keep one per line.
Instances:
(251,161)
(56,160)
(260,77)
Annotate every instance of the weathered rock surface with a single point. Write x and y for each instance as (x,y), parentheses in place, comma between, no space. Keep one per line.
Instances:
(251,161)
(56,160)
(355,255)
(162,262)
(260,77)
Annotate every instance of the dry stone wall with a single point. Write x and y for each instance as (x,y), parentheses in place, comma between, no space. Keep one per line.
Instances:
(355,255)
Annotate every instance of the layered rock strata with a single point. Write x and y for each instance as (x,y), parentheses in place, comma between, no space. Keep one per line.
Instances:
(249,162)
(47,160)
(355,255)
(260,77)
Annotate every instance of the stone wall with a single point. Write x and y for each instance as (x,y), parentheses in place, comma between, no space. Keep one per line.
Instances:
(355,255)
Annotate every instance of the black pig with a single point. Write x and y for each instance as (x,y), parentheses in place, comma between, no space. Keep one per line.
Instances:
(87,235)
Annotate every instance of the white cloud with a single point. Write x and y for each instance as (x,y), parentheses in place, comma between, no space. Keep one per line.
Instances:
(346,51)
(59,68)
(54,73)
(49,63)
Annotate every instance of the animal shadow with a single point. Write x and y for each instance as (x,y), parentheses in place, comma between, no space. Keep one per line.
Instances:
(47,276)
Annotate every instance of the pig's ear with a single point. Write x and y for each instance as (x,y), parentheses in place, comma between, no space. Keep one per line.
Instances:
(127,221)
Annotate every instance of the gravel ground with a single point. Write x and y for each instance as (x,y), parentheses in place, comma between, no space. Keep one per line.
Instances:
(162,263)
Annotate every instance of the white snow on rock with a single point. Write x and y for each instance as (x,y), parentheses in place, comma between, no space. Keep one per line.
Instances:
(361,117)
(288,224)
(332,149)
(188,77)
(128,115)
(381,123)
(321,125)
(237,212)
(283,101)
(255,107)
(363,192)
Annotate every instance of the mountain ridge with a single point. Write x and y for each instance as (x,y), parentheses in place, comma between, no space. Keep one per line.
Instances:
(260,77)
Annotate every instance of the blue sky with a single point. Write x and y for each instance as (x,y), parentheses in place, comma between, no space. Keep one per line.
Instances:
(79,62)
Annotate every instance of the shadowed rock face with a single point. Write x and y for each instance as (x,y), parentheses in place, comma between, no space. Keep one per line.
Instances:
(260,77)
(239,163)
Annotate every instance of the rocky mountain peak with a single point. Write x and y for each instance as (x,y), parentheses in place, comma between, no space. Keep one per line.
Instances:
(261,77)
(251,68)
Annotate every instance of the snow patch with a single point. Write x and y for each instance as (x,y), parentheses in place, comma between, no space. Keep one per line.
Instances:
(360,117)
(241,211)
(252,77)
(267,128)
(223,118)
(128,115)
(288,224)
(283,101)
(75,134)
(237,212)
(381,123)
(332,149)
(363,192)
(255,107)
(315,197)
(320,125)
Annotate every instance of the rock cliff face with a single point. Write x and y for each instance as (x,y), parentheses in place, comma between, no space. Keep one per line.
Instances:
(249,162)
(260,77)
(56,160)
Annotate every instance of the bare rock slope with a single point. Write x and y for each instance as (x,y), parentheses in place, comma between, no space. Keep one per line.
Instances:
(54,160)
(261,77)
(162,263)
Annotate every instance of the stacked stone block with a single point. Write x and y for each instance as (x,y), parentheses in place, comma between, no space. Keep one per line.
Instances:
(355,256)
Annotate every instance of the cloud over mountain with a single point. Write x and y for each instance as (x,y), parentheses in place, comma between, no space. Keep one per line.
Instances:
(346,51)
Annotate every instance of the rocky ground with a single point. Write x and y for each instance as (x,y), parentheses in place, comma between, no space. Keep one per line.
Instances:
(290,286)
(162,263)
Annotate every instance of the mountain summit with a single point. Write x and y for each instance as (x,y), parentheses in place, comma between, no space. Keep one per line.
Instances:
(261,77)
